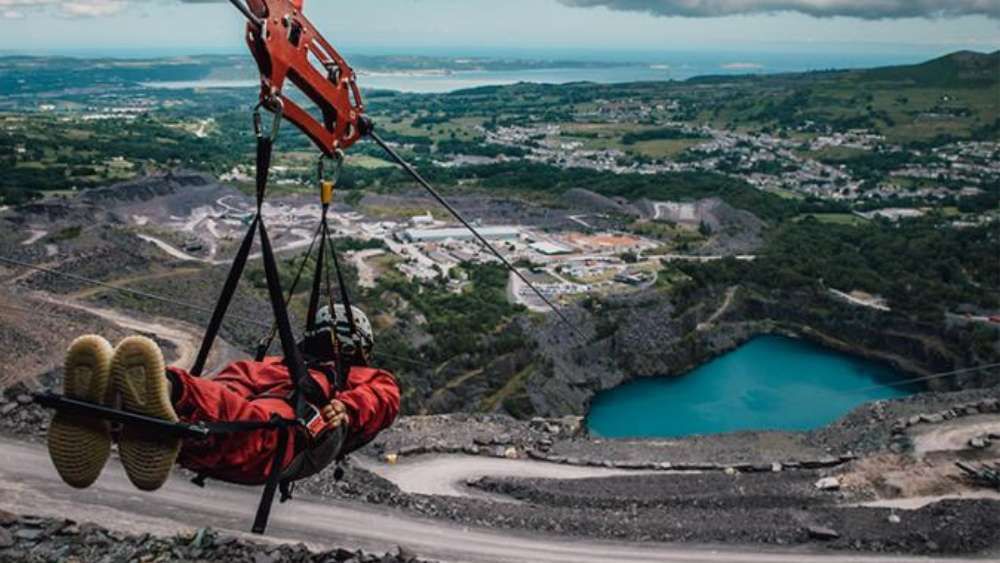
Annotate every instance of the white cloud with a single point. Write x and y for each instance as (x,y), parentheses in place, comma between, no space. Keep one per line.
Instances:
(92,8)
(81,8)
(68,8)
(865,9)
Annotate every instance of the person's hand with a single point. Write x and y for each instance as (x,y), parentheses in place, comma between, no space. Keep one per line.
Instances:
(335,414)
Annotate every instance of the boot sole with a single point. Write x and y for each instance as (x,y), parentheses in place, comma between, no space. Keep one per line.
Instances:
(79,445)
(138,373)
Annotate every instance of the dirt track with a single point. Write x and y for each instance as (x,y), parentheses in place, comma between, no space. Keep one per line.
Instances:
(954,435)
(185,338)
(29,485)
(446,475)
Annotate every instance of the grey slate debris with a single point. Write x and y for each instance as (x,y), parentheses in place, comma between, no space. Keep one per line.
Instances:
(30,539)
(822,533)
(983,475)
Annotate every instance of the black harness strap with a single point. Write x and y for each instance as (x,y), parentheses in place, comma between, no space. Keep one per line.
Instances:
(293,358)
(318,277)
(222,306)
(339,379)
(240,427)
(273,481)
(265,146)
(348,309)
(265,344)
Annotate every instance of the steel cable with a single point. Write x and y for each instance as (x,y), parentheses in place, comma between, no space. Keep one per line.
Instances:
(161,299)
(482,240)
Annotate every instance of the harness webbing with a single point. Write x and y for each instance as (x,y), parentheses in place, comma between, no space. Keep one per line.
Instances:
(317,277)
(222,305)
(292,357)
(273,481)
(345,298)
(265,343)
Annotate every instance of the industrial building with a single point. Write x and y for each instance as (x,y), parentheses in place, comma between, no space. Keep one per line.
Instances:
(439,235)
(551,248)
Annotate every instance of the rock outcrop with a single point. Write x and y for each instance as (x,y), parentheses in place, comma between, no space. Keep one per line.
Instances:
(27,539)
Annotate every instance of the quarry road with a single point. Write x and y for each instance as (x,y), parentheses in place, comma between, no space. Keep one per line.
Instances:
(185,338)
(29,485)
(173,251)
(36,235)
(304,238)
(366,272)
(446,475)
(727,302)
(954,435)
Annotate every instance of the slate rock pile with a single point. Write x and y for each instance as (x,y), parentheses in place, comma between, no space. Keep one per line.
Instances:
(29,539)
(988,405)
(20,416)
(484,435)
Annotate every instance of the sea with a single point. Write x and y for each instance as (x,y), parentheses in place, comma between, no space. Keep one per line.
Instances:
(619,68)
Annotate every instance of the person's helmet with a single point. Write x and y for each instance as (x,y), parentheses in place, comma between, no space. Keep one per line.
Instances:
(340,326)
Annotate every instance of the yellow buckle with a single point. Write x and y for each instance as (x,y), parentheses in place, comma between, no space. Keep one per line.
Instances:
(326,192)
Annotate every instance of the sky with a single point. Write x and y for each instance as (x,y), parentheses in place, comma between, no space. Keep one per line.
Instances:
(512,27)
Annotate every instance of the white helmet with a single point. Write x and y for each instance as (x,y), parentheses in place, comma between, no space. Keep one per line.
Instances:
(341,327)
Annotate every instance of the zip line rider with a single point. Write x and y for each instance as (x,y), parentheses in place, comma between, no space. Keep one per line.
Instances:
(242,392)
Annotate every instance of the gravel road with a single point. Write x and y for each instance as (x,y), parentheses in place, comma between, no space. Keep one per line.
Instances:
(28,484)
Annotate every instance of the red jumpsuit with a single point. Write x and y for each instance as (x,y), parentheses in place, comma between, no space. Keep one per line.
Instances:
(252,391)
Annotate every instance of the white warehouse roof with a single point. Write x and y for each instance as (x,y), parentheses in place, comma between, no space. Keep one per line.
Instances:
(496,233)
(551,248)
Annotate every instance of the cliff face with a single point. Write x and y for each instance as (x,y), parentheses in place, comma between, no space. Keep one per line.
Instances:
(643,335)
(647,335)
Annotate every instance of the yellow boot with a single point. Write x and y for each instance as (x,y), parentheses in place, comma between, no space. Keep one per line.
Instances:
(139,375)
(80,445)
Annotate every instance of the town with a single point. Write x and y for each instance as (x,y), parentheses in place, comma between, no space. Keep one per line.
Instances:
(775,163)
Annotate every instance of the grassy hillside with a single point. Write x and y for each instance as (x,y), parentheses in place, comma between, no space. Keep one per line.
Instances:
(966,69)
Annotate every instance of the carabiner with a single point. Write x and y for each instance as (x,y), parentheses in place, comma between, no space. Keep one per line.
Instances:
(326,186)
(338,158)
(277,107)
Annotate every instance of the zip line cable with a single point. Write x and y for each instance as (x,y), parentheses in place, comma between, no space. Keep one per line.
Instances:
(35,312)
(239,5)
(132,292)
(400,358)
(482,240)
(926,378)
(161,299)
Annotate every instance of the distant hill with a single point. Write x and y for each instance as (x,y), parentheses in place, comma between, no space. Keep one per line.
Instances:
(967,69)
(964,68)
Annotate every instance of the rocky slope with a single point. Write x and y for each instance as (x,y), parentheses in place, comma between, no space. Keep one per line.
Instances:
(755,487)
(749,488)
(26,539)
(654,335)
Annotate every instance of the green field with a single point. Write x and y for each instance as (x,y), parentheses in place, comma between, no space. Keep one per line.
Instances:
(666,148)
(849,219)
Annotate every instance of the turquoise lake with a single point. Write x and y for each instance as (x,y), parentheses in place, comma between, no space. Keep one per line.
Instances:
(770,383)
